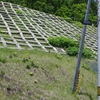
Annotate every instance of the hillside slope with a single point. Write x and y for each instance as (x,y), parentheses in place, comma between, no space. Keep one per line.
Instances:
(27,72)
(26,28)
(37,75)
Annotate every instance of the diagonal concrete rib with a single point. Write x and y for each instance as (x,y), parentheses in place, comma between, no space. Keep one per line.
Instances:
(39,32)
(19,28)
(44,33)
(32,32)
(9,32)
(3,41)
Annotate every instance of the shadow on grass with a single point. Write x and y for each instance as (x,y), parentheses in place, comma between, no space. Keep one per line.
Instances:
(86,94)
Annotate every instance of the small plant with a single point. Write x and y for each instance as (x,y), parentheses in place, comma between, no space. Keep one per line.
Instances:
(19,11)
(36,81)
(31,73)
(34,65)
(3,60)
(59,56)
(25,60)
(9,88)
(57,66)
(28,67)
(86,66)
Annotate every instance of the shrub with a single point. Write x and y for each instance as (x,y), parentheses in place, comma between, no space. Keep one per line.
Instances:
(72,51)
(71,45)
(62,42)
(28,67)
(54,41)
(68,19)
(87,53)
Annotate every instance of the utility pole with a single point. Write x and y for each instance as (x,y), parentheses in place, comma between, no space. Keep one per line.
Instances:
(98,49)
(86,22)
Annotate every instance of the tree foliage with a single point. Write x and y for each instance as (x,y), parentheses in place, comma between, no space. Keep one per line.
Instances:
(63,11)
(78,11)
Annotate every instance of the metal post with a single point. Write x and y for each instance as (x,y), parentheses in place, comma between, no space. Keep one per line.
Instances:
(81,46)
(98,49)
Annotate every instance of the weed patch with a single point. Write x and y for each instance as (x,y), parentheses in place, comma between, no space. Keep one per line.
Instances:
(59,56)
(86,66)
(3,60)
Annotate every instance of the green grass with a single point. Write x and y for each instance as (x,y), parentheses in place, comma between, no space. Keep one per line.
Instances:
(49,77)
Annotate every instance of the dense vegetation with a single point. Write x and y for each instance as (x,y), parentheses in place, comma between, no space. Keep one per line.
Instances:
(62,41)
(73,9)
(70,45)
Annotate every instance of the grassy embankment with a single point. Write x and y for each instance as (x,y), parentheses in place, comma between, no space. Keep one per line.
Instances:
(37,75)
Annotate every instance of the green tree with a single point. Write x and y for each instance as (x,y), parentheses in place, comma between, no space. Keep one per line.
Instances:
(80,1)
(49,8)
(68,2)
(78,11)
(63,11)
(41,6)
